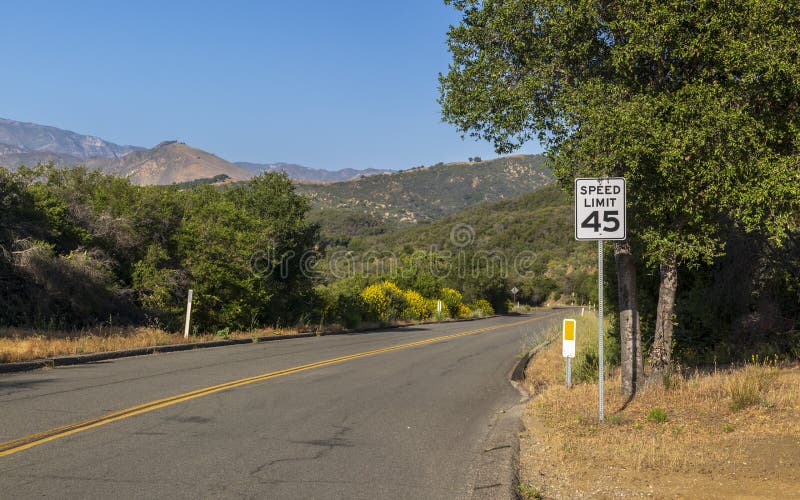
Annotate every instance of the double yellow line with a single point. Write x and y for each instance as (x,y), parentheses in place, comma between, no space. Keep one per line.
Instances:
(24,443)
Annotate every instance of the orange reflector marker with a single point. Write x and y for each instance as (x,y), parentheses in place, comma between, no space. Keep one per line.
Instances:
(569,329)
(568,339)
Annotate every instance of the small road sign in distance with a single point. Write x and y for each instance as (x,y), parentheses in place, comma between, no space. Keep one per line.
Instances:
(600,209)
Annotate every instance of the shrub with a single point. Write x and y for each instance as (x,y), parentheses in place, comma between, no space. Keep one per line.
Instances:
(397,300)
(586,362)
(341,302)
(452,300)
(484,306)
(749,386)
(657,415)
(464,311)
(416,306)
(376,301)
(385,301)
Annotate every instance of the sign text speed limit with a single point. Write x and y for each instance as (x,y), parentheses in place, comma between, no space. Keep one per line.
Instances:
(600,209)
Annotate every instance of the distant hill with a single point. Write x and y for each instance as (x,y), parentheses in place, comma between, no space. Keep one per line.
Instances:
(535,226)
(307,174)
(32,138)
(29,144)
(13,157)
(427,193)
(169,162)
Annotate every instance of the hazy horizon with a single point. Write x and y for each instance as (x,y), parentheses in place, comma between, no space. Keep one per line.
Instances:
(323,85)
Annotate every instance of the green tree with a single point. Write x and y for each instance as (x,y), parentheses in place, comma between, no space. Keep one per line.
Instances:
(694,103)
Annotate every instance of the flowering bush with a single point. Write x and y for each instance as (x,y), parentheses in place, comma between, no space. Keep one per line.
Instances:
(452,300)
(376,301)
(464,311)
(416,306)
(484,306)
(384,300)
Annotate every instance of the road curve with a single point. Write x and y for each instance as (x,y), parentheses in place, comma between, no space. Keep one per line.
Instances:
(399,413)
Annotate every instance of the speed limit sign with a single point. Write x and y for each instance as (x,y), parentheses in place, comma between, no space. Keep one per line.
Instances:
(600,209)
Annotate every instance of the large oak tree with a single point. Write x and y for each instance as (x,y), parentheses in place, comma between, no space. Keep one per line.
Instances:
(695,103)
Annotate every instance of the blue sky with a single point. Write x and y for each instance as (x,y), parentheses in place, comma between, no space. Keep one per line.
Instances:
(324,84)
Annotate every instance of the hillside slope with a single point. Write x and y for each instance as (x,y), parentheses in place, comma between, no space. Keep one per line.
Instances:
(531,235)
(30,144)
(427,193)
(33,138)
(169,162)
(307,174)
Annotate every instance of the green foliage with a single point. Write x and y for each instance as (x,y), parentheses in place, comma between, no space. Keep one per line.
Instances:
(425,194)
(688,101)
(83,247)
(452,300)
(342,302)
(417,308)
(586,364)
(748,387)
(657,415)
(206,180)
(385,301)
(528,492)
(484,306)
(519,242)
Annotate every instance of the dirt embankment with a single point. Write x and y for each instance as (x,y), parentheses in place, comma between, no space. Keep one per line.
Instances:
(734,433)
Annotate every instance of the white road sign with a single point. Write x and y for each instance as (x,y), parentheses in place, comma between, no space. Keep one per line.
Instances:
(600,209)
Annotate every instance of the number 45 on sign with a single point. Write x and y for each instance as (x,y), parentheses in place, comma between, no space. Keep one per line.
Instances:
(600,209)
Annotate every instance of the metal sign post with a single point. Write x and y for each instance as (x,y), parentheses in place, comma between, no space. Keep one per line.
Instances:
(515,290)
(600,214)
(600,353)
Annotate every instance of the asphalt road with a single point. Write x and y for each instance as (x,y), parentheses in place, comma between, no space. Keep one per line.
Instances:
(409,422)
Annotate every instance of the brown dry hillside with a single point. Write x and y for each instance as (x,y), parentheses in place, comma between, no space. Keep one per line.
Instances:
(169,162)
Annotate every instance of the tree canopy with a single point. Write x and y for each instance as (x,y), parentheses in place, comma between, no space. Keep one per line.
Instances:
(695,103)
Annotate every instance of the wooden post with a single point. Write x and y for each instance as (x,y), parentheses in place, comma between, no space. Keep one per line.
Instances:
(188,315)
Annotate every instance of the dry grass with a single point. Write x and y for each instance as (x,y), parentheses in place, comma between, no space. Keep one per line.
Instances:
(727,434)
(19,344)
(24,345)
(548,369)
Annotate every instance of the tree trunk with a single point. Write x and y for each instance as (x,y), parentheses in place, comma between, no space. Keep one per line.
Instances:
(660,355)
(629,331)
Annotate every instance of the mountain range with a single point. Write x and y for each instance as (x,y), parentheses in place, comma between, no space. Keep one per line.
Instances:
(19,138)
(169,162)
(415,195)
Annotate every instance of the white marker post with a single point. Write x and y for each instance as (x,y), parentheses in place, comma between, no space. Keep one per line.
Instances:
(568,346)
(600,214)
(188,315)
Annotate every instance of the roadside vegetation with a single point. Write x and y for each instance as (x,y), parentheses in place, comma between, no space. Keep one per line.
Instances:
(483,251)
(427,193)
(83,254)
(727,432)
(26,344)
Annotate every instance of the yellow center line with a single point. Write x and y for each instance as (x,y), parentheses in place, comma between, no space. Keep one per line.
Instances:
(24,443)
